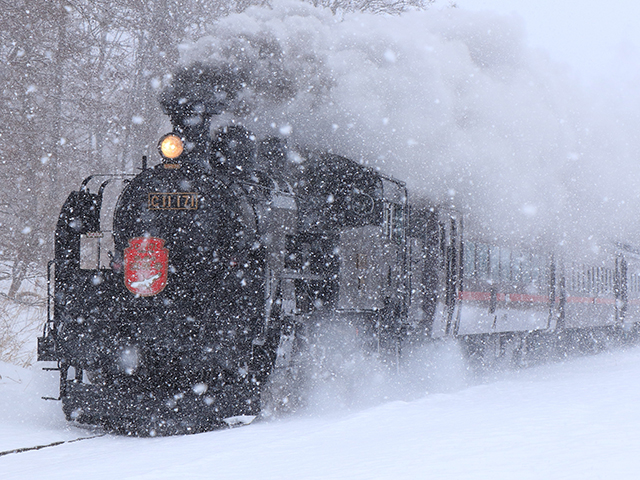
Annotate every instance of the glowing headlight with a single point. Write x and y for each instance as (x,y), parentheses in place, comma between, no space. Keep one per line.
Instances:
(171,146)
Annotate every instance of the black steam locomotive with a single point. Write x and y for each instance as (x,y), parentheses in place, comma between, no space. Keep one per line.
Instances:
(219,256)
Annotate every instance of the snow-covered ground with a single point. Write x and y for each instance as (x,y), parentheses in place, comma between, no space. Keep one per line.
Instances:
(577,419)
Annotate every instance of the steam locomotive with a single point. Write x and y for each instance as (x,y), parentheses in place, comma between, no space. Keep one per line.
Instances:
(171,309)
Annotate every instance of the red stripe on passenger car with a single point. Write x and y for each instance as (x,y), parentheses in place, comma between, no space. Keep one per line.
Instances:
(524,298)
(521,297)
(605,300)
(579,299)
(592,300)
(474,296)
(502,297)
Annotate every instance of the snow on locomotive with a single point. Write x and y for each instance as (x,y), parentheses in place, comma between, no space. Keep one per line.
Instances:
(173,320)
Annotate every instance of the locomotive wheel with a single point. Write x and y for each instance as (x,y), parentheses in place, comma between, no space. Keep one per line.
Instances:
(282,392)
(127,405)
(72,405)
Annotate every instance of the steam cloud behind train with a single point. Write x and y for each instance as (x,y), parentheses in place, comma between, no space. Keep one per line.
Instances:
(451,101)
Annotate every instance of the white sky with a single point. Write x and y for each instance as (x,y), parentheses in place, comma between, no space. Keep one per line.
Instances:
(596,38)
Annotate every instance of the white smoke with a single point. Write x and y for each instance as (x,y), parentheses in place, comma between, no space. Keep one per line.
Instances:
(340,368)
(452,102)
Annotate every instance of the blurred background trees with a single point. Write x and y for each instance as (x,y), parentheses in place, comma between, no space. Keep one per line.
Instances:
(80,80)
(373,6)
(79,85)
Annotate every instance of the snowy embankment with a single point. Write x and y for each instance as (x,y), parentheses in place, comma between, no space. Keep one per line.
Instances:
(578,419)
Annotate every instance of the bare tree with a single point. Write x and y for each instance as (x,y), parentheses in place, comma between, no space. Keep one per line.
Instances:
(80,83)
(373,6)
(27,132)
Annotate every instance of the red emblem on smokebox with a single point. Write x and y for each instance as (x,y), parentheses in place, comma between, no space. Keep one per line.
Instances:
(145,266)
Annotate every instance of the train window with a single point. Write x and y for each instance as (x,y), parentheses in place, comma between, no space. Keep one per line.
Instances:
(505,265)
(394,192)
(527,277)
(570,283)
(538,268)
(609,280)
(586,279)
(520,267)
(397,225)
(482,260)
(393,222)
(469,260)
(494,263)
(575,282)
(443,243)
(95,248)
(386,220)
(89,252)
(600,280)
(584,284)
(517,267)
(578,279)
(612,277)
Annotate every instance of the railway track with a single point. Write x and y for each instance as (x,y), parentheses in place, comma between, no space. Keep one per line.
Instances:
(47,445)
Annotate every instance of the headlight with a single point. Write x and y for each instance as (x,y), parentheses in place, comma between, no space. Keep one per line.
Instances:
(171,146)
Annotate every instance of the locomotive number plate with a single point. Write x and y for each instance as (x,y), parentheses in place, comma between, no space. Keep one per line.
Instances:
(173,201)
